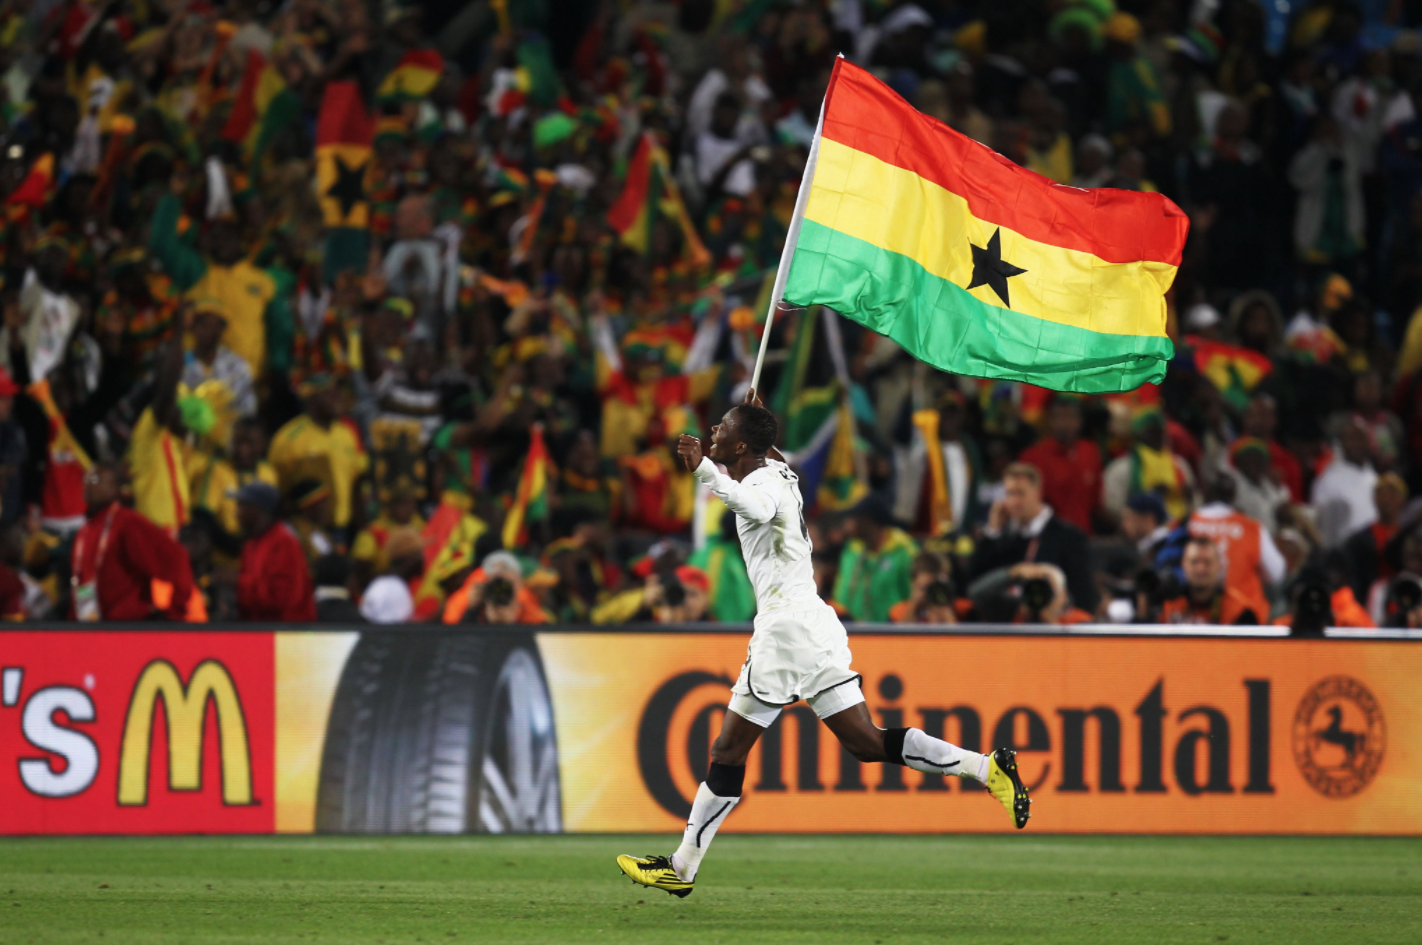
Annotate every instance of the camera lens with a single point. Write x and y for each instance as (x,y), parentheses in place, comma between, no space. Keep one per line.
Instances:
(499,592)
(939,594)
(1037,594)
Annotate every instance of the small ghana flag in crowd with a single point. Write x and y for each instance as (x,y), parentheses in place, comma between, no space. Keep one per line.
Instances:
(263,107)
(345,133)
(974,264)
(651,189)
(531,500)
(38,186)
(414,76)
(1235,371)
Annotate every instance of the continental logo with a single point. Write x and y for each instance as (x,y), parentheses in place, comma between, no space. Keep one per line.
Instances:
(1178,748)
(185,712)
(1339,736)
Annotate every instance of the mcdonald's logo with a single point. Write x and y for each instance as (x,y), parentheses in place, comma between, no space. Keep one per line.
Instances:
(185,711)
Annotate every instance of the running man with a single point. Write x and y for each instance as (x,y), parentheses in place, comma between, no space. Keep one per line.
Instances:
(799,650)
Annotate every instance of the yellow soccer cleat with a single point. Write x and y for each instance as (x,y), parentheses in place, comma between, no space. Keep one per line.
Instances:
(1007,787)
(655,871)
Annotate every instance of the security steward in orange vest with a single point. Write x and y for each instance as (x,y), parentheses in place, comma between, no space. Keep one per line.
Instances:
(1207,599)
(1247,551)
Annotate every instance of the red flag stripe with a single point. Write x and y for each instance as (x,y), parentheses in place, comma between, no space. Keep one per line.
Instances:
(422,59)
(344,118)
(1118,226)
(244,107)
(624,212)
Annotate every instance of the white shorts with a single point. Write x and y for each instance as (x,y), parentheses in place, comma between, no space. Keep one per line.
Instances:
(794,655)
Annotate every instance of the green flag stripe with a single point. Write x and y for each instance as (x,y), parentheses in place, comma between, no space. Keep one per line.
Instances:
(283,109)
(953,330)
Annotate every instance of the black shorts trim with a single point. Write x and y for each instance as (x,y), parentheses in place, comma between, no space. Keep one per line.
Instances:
(750,684)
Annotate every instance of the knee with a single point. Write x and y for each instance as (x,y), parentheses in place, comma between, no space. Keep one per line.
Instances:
(725,751)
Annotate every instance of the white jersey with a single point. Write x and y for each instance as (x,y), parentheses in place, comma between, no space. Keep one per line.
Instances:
(775,542)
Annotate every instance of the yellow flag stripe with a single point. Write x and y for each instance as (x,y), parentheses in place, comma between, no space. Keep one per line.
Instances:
(353,156)
(897,210)
(269,85)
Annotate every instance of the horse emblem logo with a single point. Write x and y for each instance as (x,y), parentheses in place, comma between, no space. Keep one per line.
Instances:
(1339,736)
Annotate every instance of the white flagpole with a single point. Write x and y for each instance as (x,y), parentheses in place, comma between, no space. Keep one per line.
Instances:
(792,236)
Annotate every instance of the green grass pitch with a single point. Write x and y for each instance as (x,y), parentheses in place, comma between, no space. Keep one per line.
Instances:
(752,891)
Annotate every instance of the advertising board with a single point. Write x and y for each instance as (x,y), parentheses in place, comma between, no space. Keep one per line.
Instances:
(427,731)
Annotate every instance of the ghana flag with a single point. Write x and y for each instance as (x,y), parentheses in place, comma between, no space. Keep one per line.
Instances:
(649,191)
(263,107)
(530,503)
(972,263)
(345,132)
(414,76)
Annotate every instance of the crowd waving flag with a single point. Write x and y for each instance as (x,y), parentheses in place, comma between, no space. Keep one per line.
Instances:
(414,76)
(263,107)
(650,190)
(972,263)
(530,503)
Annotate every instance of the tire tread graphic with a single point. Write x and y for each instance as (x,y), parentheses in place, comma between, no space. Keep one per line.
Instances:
(412,727)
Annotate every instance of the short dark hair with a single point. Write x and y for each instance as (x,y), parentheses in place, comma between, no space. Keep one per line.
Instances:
(757,428)
(1221,488)
(929,562)
(1024,471)
(1203,541)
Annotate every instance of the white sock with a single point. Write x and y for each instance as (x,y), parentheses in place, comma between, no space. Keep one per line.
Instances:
(923,752)
(708,812)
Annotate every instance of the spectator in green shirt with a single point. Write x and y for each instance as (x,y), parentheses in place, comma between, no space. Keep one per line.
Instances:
(732,597)
(875,569)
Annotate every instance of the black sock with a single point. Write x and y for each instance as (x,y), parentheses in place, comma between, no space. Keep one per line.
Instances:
(727,780)
(894,745)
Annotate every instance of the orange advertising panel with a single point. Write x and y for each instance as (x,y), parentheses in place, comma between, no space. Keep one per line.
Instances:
(1119,734)
(502,730)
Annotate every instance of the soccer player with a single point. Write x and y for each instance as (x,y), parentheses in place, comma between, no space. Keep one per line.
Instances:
(799,650)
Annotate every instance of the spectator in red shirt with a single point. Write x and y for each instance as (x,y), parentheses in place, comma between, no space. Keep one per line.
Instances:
(124,566)
(1070,466)
(274,583)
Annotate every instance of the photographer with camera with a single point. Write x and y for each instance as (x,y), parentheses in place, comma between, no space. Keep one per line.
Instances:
(495,593)
(1404,602)
(1206,599)
(1319,596)
(1030,592)
(671,593)
(933,598)
(679,596)
(1021,528)
(1151,589)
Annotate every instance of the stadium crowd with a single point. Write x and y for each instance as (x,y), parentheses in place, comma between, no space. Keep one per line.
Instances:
(353,311)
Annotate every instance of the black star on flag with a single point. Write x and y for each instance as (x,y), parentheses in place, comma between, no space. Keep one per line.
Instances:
(349,188)
(991,270)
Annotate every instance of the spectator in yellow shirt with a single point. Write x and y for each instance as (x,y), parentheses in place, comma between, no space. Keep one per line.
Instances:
(259,322)
(370,551)
(320,444)
(156,460)
(214,478)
